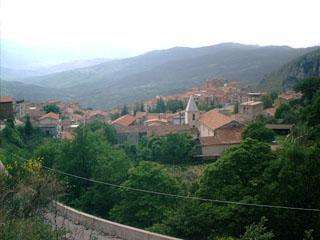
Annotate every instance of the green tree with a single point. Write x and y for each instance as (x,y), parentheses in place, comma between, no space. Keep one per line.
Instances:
(51,108)
(141,209)
(236,108)
(174,148)
(309,88)
(273,95)
(161,106)
(258,131)
(267,101)
(124,110)
(257,231)
(28,128)
(293,179)
(112,167)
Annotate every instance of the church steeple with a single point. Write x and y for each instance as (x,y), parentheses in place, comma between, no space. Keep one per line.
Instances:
(192,113)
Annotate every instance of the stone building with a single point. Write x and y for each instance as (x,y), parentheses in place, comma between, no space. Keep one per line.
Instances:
(192,113)
(49,124)
(7,108)
(251,109)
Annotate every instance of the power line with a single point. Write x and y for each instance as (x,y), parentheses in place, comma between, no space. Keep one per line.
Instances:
(183,196)
(177,195)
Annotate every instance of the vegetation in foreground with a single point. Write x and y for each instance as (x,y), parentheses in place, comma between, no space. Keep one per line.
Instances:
(248,173)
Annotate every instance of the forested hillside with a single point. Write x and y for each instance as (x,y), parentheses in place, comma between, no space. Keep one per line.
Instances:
(251,192)
(164,72)
(292,73)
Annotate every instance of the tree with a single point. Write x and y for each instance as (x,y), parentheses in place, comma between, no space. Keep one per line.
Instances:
(257,231)
(28,129)
(259,132)
(236,176)
(161,106)
(124,110)
(141,209)
(273,95)
(51,108)
(267,101)
(236,108)
(112,167)
(309,88)
(174,148)
(293,178)
(175,105)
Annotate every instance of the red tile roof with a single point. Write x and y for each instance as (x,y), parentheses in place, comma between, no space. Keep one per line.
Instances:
(270,111)
(214,120)
(223,136)
(170,129)
(50,115)
(97,112)
(125,120)
(6,99)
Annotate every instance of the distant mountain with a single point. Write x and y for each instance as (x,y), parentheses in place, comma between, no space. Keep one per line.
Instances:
(30,92)
(291,73)
(21,73)
(168,71)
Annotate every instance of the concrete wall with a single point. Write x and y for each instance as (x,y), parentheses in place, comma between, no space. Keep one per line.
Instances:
(205,131)
(107,227)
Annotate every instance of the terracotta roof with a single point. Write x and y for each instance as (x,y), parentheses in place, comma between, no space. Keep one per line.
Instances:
(290,95)
(77,117)
(50,115)
(169,129)
(133,129)
(141,114)
(270,111)
(6,99)
(125,120)
(223,137)
(66,123)
(214,120)
(97,112)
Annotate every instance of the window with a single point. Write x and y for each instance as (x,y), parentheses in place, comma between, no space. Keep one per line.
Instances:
(193,117)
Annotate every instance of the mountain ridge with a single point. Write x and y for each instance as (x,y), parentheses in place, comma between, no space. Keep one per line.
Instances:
(163,72)
(286,77)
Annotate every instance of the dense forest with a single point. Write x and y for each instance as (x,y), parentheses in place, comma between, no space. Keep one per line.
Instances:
(251,192)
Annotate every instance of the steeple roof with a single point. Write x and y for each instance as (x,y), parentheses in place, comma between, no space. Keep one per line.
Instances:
(191,107)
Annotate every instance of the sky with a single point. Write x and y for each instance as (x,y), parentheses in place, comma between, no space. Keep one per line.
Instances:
(123,28)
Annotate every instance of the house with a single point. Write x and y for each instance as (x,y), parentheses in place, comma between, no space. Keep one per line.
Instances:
(7,108)
(251,109)
(98,116)
(124,121)
(288,96)
(162,131)
(282,129)
(50,124)
(177,118)
(269,112)
(214,146)
(213,120)
(131,134)
(20,109)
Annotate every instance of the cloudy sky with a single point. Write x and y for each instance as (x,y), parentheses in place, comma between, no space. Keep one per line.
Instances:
(119,28)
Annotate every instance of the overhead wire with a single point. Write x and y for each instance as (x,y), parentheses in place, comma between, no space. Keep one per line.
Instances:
(178,195)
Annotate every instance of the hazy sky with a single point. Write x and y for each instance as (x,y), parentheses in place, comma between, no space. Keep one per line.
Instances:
(135,26)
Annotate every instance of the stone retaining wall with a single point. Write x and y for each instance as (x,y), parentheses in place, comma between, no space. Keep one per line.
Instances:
(107,227)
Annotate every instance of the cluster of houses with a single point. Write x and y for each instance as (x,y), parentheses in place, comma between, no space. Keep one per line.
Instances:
(216,130)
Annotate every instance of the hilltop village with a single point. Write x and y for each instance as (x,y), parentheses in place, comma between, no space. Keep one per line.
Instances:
(214,114)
